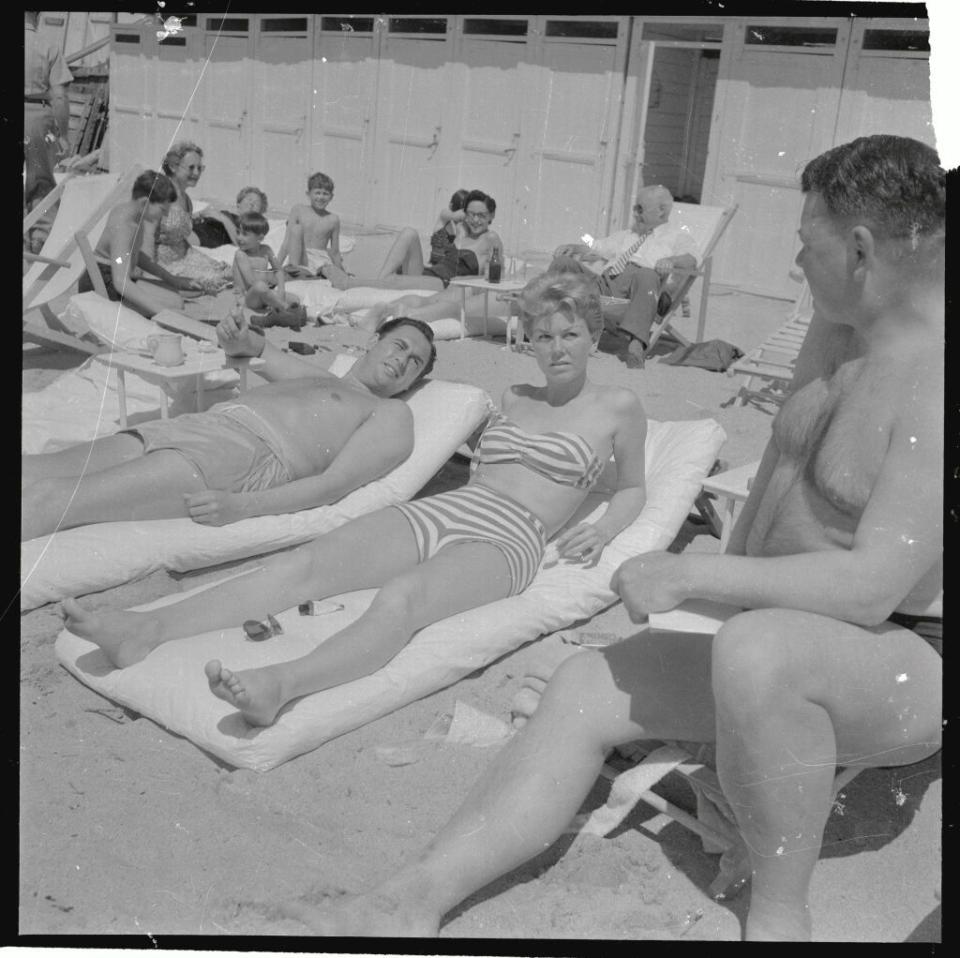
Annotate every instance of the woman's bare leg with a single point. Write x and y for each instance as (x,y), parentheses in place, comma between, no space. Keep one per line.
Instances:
(797,694)
(148,486)
(460,577)
(654,685)
(361,554)
(84,457)
(404,256)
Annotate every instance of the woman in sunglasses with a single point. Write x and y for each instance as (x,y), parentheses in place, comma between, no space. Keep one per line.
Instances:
(465,254)
(183,164)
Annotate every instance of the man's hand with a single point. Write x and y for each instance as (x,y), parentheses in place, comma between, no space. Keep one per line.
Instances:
(213,508)
(575,250)
(652,582)
(237,338)
(583,542)
(664,266)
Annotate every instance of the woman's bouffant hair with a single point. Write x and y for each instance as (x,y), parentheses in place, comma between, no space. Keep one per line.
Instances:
(176,153)
(573,294)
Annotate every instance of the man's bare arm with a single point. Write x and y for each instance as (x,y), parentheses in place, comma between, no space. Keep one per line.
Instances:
(381,443)
(238,339)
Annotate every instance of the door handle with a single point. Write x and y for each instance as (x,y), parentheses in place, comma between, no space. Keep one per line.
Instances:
(510,150)
(435,142)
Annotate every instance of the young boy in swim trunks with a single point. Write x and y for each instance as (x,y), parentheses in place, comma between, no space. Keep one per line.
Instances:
(313,232)
(255,269)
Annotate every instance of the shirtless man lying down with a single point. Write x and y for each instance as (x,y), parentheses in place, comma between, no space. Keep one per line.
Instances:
(305,439)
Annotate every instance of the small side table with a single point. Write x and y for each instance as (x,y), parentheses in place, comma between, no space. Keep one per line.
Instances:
(731,488)
(195,364)
(482,283)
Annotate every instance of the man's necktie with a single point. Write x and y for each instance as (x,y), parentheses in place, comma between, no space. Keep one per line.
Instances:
(620,263)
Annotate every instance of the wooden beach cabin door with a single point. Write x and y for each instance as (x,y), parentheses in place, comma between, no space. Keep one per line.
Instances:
(571,110)
(886,86)
(780,87)
(411,143)
(490,68)
(176,101)
(228,50)
(345,89)
(130,94)
(282,98)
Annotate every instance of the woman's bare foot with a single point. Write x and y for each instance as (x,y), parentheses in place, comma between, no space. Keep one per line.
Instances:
(125,637)
(365,916)
(257,693)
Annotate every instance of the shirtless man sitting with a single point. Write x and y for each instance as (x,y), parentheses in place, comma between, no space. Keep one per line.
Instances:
(305,439)
(837,553)
(119,251)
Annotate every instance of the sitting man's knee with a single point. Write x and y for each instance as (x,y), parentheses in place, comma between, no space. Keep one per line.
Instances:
(749,657)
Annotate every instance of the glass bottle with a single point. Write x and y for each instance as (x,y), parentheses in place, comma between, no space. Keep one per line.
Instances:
(496,266)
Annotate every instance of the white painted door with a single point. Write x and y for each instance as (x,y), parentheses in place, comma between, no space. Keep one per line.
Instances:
(281,107)
(886,87)
(486,129)
(777,94)
(130,74)
(226,89)
(176,102)
(345,87)
(412,152)
(571,109)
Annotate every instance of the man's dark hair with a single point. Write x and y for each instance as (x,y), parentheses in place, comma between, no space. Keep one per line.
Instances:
(155,186)
(488,201)
(419,325)
(894,184)
(255,223)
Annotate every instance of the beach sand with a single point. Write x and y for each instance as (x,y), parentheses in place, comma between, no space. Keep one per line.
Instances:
(127,829)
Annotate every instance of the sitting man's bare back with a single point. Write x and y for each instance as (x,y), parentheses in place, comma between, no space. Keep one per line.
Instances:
(118,252)
(304,440)
(837,556)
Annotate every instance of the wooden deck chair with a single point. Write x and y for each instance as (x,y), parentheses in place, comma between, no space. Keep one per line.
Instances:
(85,202)
(711,820)
(770,366)
(706,224)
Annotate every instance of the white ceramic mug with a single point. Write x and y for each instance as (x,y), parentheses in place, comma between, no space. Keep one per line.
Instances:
(166,349)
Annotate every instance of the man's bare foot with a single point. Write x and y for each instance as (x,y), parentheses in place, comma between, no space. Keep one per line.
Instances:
(365,916)
(125,637)
(256,693)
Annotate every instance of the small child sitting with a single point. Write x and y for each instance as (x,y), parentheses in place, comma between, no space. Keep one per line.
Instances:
(216,226)
(256,272)
(312,239)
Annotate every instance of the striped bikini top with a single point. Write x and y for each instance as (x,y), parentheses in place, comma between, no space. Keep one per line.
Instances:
(563,457)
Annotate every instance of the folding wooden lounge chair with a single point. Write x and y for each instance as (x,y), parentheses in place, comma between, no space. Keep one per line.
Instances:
(707,225)
(633,781)
(769,367)
(85,203)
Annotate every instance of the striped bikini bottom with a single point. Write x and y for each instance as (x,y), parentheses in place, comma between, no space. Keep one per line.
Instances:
(478,514)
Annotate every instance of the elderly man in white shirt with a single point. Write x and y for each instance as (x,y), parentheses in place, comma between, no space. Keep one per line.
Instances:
(635,264)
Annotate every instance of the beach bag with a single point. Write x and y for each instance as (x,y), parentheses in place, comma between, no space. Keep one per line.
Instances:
(715,355)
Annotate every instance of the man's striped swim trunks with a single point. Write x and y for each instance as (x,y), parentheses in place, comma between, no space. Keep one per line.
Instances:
(477,514)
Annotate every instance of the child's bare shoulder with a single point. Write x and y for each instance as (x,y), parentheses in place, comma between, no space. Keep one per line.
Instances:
(298,212)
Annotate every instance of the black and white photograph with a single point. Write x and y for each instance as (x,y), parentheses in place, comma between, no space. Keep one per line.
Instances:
(482,477)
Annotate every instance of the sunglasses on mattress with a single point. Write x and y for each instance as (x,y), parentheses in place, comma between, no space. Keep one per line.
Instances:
(258,631)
